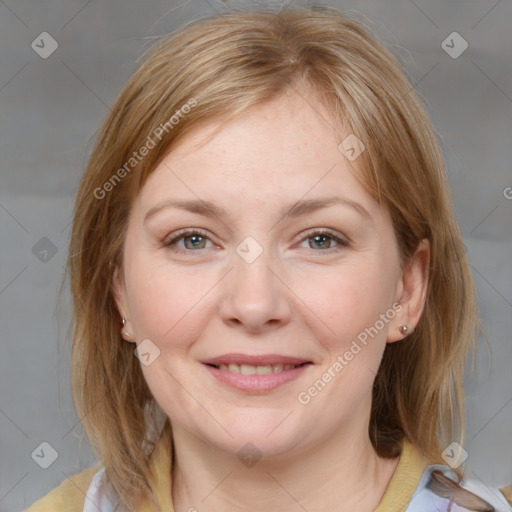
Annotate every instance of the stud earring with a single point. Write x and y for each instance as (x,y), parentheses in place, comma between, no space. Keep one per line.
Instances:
(124,331)
(403,329)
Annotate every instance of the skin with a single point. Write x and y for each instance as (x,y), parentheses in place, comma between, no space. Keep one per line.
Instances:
(303,296)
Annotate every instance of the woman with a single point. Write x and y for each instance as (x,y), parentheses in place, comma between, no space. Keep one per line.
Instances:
(272,302)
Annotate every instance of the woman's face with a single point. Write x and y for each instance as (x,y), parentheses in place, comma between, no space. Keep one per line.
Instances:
(294,264)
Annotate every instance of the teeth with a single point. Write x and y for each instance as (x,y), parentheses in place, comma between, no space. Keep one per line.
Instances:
(246,369)
(263,370)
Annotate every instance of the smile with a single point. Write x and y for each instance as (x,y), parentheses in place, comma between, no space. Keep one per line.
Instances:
(246,369)
(255,374)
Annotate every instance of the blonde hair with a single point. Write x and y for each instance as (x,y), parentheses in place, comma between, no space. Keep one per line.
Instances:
(225,66)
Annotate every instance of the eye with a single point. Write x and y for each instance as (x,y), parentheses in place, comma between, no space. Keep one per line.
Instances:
(193,239)
(323,238)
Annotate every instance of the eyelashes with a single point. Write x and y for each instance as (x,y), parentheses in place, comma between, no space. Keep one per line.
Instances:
(188,233)
(321,235)
(325,233)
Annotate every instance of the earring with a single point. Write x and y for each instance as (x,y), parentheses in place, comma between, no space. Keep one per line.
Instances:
(124,331)
(403,329)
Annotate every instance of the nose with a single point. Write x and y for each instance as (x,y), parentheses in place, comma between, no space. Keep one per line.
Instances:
(255,296)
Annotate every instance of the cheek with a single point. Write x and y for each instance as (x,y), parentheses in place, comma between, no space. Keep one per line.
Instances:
(350,303)
(349,300)
(171,308)
(168,304)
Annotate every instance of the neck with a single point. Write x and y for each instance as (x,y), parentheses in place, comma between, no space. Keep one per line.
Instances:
(343,474)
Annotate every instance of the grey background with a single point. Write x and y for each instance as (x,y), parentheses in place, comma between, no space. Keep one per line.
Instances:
(50,110)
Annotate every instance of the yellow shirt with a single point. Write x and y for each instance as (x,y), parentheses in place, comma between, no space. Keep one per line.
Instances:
(69,496)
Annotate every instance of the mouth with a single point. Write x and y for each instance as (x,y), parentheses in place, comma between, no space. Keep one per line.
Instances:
(246,369)
(256,374)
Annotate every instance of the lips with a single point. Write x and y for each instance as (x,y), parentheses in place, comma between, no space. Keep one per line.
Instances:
(262,360)
(255,374)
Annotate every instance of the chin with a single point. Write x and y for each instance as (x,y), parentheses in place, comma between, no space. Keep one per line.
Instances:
(264,434)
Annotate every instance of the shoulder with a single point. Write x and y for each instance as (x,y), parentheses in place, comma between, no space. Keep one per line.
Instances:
(69,496)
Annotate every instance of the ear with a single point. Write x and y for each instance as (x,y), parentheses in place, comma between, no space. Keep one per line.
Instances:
(119,289)
(411,292)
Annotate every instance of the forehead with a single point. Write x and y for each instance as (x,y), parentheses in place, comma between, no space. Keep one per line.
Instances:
(281,151)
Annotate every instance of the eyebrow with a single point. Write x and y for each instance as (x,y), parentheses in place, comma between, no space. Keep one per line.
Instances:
(297,209)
